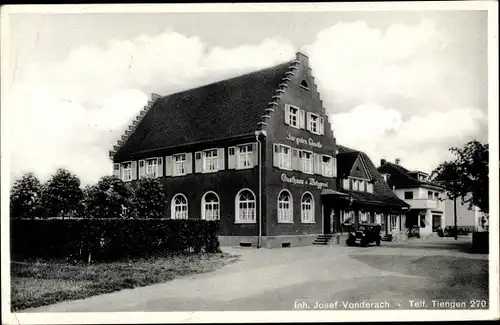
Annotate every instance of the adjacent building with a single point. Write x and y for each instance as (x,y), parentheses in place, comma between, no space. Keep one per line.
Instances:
(258,153)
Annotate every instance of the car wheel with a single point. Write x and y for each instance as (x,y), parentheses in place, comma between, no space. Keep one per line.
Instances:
(364,243)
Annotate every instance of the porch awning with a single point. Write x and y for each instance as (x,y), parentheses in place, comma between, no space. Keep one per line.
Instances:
(327,191)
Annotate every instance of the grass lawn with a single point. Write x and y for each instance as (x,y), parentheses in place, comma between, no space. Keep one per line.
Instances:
(36,283)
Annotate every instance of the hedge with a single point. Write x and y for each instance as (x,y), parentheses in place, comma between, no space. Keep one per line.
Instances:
(110,239)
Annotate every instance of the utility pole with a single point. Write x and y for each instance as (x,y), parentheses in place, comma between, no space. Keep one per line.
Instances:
(455,216)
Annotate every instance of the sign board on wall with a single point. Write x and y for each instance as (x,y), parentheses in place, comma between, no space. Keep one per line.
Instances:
(299,181)
(299,140)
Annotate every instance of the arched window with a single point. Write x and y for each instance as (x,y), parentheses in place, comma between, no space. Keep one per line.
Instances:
(307,208)
(210,206)
(245,207)
(285,207)
(304,84)
(179,208)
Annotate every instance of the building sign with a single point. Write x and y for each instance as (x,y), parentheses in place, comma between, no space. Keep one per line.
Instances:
(298,140)
(310,182)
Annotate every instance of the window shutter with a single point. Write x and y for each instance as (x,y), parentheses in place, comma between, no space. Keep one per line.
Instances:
(316,163)
(169,164)
(189,163)
(116,170)
(134,170)
(142,168)
(275,155)
(321,126)
(198,162)
(295,159)
(308,122)
(287,114)
(255,154)
(220,159)
(334,167)
(160,166)
(302,119)
(231,159)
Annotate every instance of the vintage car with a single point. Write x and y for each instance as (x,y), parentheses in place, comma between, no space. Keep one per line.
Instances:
(366,234)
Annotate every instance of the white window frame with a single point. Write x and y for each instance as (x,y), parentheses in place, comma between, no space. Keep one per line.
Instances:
(179,165)
(309,162)
(128,170)
(307,206)
(313,122)
(283,158)
(363,217)
(285,208)
(210,161)
(183,213)
(215,207)
(240,213)
(327,167)
(151,171)
(244,160)
(294,115)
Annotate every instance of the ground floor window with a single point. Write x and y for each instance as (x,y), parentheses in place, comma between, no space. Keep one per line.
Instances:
(179,207)
(285,210)
(363,216)
(394,222)
(245,207)
(436,221)
(210,209)
(307,208)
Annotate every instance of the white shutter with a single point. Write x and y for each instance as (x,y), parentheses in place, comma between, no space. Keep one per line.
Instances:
(302,119)
(231,157)
(220,159)
(345,184)
(287,114)
(334,167)
(308,121)
(169,166)
(116,170)
(295,159)
(317,163)
(321,125)
(198,162)
(275,155)
(142,168)
(159,161)
(188,167)
(134,170)
(255,154)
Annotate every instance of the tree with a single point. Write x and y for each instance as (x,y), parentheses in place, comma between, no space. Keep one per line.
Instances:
(62,195)
(149,198)
(109,198)
(25,197)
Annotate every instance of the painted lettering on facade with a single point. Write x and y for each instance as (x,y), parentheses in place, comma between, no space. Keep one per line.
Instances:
(298,140)
(297,181)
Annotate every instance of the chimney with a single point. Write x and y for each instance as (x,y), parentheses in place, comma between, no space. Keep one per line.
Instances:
(398,161)
(382,162)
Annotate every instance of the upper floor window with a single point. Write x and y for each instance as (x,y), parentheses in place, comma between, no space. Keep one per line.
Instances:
(245,155)
(179,208)
(282,157)
(327,166)
(409,195)
(294,116)
(180,166)
(306,158)
(369,187)
(245,207)
(285,207)
(436,195)
(127,171)
(315,123)
(430,194)
(152,167)
(210,160)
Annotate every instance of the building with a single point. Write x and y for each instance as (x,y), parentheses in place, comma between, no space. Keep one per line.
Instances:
(467,217)
(427,200)
(256,152)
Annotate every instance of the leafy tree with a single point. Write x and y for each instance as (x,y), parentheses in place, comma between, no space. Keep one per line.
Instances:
(149,198)
(109,198)
(466,177)
(25,197)
(61,195)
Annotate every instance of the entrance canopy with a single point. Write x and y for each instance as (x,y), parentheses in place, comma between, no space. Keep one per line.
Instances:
(327,191)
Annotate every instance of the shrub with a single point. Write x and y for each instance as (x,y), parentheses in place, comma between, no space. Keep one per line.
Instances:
(109,198)
(25,197)
(149,198)
(61,195)
(110,239)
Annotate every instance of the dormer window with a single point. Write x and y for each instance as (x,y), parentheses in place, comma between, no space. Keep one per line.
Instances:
(303,84)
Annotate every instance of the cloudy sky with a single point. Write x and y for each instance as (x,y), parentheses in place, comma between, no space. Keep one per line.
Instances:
(402,85)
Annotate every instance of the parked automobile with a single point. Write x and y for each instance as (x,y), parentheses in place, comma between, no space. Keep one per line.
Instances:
(366,234)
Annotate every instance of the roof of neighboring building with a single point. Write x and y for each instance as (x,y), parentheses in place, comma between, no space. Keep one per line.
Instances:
(401,177)
(382,193)
(220,110)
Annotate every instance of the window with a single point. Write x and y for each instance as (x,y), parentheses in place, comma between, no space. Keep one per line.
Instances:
(152,167)
(394,222)
(408,195)
(210,209)
(282,156)
(245,207)
(327,166)
(430,194)
(361,185)
(180,167)
(210,160)
(369,187)
(179,209)
(245,155)
(304,84)
(436,195)
(294,116)
(306,161)
(285,209)
(313,123)
(355,185)
(345,184)
(363,216)
(127,171)
(307,208)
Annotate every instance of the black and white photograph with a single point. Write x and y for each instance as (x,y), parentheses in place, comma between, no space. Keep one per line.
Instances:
(249,162)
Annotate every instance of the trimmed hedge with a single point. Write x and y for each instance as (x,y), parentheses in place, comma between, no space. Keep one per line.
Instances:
(110,239)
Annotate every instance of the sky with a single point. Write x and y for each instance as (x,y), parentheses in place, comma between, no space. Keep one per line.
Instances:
(395,84)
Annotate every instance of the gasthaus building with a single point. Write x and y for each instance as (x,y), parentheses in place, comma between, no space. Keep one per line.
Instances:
(256,152)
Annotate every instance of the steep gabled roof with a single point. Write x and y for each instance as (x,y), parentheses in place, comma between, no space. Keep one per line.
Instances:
(401,177)
(220,110)
(382,193)
(345,161)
